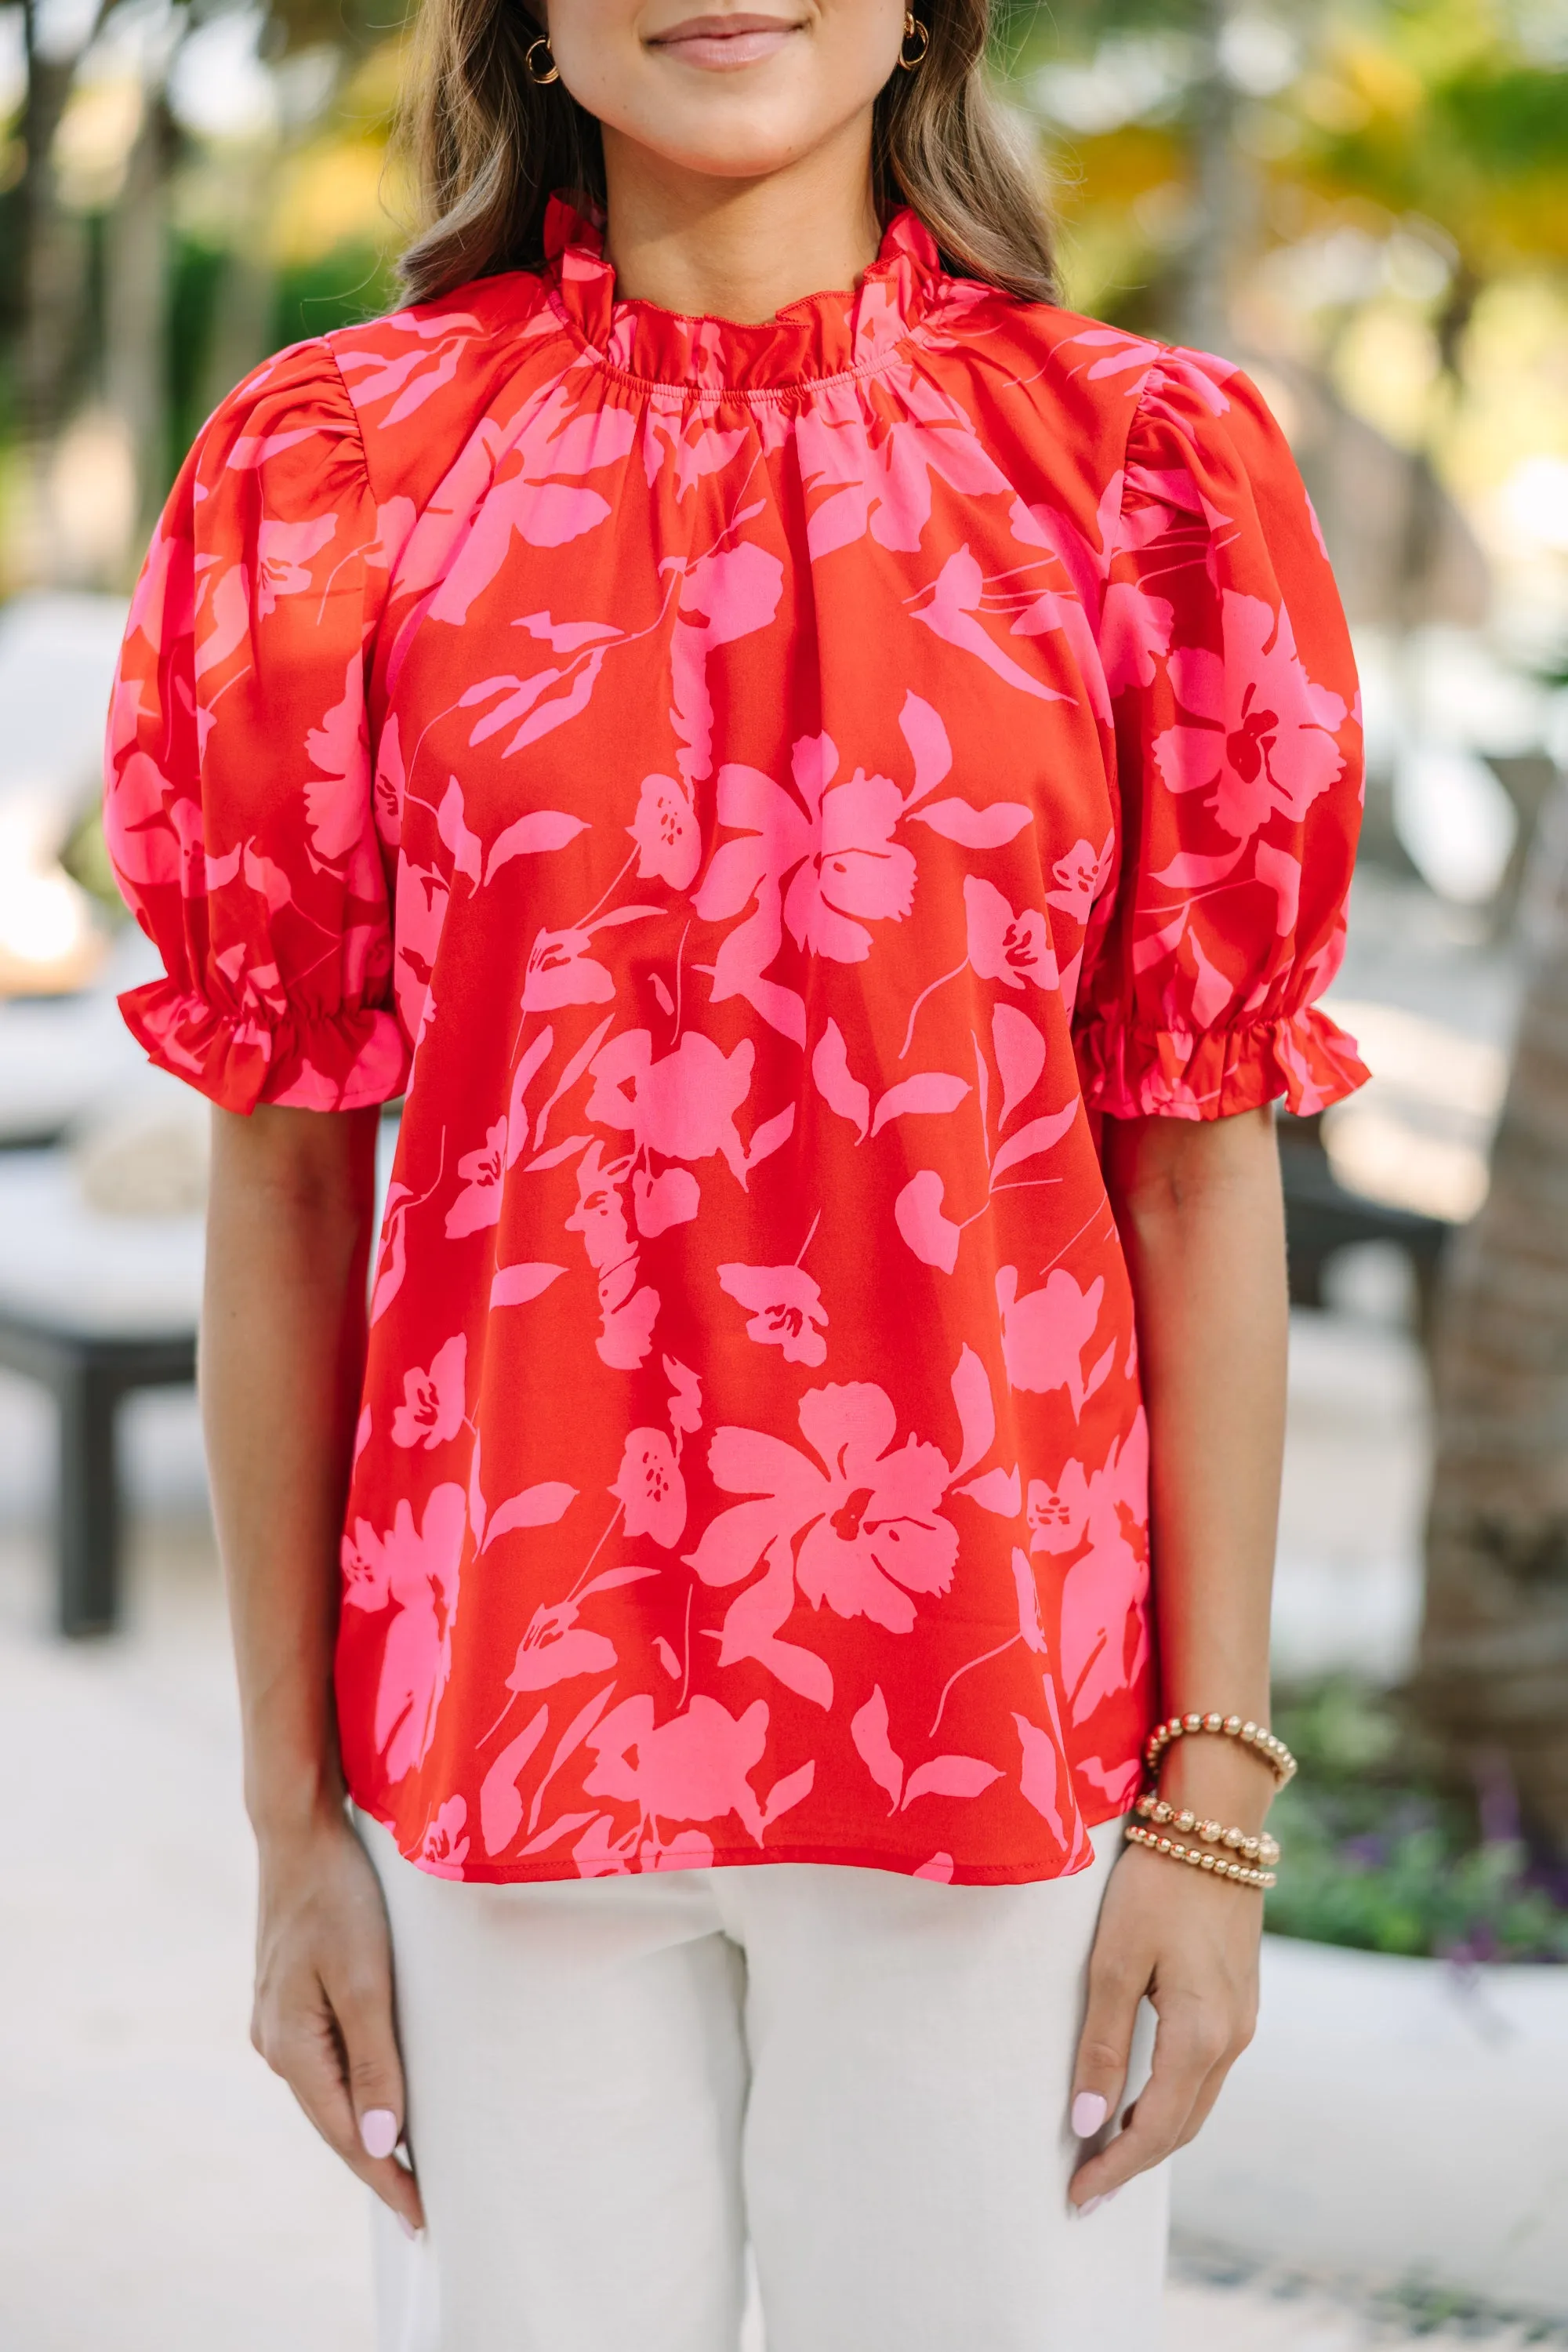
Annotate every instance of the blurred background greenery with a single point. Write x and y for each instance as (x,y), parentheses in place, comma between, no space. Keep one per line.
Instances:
(184,189)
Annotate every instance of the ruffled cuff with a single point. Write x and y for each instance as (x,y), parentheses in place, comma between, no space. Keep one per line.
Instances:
(342,1061)
(1130,1071)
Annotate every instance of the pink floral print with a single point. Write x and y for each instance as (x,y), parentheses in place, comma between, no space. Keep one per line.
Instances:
(862,1531)
(785,1308)
(1260,735)
(416,1570)
(651,1488)
(667,836)
(681,1105)
(432,1407)
(1045,1333)
(444,1848)
(1003,945)
(762,795)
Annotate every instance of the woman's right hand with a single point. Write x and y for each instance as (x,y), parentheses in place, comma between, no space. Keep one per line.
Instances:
(323,2016)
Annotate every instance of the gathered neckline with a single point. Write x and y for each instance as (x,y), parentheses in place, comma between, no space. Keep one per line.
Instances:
(833,333)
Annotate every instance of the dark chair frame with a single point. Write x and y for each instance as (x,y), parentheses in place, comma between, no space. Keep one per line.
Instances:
(88,1376)
(1322,1218)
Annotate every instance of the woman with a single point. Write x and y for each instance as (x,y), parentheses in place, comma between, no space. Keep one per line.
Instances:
(832,806)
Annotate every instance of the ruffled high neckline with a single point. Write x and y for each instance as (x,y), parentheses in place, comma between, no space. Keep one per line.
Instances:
(822,335)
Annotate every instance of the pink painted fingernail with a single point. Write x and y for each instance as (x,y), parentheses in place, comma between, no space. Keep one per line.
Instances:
(1089,2112)
(378,2131)
(406,2225)
(1089,2205)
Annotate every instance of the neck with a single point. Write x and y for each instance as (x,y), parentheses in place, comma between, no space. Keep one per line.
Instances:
(739,249)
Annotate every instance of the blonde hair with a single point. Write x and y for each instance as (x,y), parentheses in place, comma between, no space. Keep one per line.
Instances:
(489,146)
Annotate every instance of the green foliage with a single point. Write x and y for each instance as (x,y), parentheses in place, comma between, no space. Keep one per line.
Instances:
(1426,109)
(293,26)
(1417,2307)
(1509,121)
(195,275)
(1379,1858)
(346,287)
(87,860)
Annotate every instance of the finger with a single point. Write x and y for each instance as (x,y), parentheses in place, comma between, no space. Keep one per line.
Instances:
(1215,2083)
(306,2049)
(1115,1989)
(316,2075)
(1190,2043)
(373,2066)
(1202,2105)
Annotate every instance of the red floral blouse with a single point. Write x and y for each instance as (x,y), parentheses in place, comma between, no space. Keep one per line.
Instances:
(762,793)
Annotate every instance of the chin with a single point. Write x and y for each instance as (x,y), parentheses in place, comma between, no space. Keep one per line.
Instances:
(731,141)
(734,157)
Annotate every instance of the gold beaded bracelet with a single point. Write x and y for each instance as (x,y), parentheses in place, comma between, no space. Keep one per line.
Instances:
(1240,1873)
(1263,1742)
(1261,1848)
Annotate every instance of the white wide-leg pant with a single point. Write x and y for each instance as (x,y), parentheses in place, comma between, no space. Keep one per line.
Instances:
(613,2084)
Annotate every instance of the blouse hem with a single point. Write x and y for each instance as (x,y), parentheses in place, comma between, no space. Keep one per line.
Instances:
(347,1061)
(1131,1072)
(852,1857)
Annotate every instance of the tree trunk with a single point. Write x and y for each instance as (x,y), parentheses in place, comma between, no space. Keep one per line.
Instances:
(51,267)
(1492,1674)
(1204,309)
(136,316)
(242,329)
(53,275)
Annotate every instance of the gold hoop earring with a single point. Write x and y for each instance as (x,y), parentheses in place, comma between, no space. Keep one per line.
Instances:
(913,27)
(541,80)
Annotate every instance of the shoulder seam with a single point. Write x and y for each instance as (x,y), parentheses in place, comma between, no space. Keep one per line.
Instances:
(1133,422)
(371,615)
(1167,351)
(1112,549)
(342,381)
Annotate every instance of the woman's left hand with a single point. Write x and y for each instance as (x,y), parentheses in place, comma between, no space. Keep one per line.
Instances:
(1190,1945)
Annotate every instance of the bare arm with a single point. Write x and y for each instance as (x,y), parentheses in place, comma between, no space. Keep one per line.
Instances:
(283,1333)
(1201,1223)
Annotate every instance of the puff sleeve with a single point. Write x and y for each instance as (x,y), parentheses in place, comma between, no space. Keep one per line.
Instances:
(1239,767)
(238,779)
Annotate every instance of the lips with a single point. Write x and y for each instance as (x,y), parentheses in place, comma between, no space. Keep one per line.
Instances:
(720,42)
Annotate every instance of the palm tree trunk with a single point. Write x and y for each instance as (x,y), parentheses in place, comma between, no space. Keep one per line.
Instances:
(1492,1674)
(136,315)
(1206,291)
(52,270)
(52,259)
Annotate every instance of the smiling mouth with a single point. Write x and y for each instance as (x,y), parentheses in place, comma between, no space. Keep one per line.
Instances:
(720,42)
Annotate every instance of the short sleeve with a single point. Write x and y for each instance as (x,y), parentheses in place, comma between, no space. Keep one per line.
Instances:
(1238,768)
(238,808)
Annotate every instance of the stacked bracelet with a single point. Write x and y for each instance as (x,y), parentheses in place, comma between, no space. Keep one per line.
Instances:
(1230,1854)
(1262,1742)
(1261,1848)
(1240,1872)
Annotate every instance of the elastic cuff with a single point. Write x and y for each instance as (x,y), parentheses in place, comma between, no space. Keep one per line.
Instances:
(1129,1072)
(342,1061)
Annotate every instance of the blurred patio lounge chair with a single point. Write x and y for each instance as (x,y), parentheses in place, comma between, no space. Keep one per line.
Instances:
(101,1253)
(92,1305)
(1405,1162)
(1324,1216)
(63,1057)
